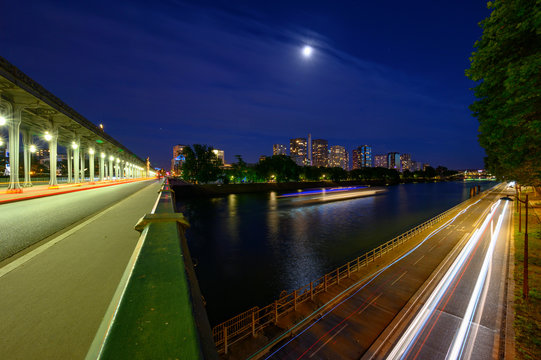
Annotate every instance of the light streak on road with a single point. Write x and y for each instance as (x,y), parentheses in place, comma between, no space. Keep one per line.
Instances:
(368,280)
(458,343)
(409,337)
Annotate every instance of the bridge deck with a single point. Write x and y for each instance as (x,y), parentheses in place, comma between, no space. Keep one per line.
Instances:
(54,296)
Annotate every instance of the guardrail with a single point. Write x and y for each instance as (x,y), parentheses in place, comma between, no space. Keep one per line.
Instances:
(254,320)
(157,311)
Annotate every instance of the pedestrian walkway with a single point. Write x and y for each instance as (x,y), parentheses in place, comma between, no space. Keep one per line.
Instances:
(55,296)
(43,190)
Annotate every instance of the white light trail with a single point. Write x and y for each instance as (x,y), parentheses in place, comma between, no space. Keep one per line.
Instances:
(458,343)
(409,337)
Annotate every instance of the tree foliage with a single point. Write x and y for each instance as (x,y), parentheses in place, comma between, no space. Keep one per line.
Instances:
(201,165)
(278,167)
(507,68)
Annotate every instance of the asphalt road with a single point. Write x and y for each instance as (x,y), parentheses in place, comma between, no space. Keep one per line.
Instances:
(350,328)
(26,222)
(53,298)
(462,316)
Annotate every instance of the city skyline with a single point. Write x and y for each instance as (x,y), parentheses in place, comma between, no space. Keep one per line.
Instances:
(185,76)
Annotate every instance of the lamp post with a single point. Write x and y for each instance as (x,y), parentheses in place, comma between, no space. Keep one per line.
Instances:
(525,284)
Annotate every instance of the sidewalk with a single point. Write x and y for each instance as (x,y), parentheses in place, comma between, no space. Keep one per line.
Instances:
(43,190)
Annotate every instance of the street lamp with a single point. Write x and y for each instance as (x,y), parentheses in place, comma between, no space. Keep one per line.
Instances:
(74,145)
(47,136)
(33,148)
(102,155)
(91,151)
(3,120)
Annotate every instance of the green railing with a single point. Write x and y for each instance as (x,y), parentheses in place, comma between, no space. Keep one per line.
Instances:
(157,311)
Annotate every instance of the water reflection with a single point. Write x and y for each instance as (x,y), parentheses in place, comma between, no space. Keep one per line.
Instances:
(252,246)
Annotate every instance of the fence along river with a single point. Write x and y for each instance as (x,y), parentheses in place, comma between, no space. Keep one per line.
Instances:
(251,248)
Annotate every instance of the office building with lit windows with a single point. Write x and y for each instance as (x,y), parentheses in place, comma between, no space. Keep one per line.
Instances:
(178,159)
(405,162)
(393,161)
(338,157)
(220,154)
(380,160)
(298,151)
(279,149)
(362,157)
(320,152)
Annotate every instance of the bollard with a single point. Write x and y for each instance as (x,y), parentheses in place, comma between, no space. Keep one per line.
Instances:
(349,272)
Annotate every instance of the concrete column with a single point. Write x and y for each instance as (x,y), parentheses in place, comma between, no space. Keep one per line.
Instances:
(53,149)
(69,155)
(102,166)
(14,124)
(27,156)
(111,158)
(91,164)
(82,158)
(76,145)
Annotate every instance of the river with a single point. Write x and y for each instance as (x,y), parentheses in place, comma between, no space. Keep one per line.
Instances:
(249,247)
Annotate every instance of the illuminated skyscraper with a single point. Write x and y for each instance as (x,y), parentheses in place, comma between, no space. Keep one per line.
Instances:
(178,159)
(279,149)
(393,161)
(339,157)
(320,152)
(298,151)
(362,157)
(405,162)
(380,161)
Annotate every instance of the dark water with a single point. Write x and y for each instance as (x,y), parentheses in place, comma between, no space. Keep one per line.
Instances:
(250,247)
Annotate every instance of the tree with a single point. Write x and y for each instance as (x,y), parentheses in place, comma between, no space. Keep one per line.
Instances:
(507,68)
(201,165)
(278,167)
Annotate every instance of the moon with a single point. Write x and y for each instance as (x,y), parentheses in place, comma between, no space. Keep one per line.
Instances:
(307,51)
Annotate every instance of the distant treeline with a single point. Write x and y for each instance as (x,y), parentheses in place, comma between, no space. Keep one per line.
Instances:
(203,166)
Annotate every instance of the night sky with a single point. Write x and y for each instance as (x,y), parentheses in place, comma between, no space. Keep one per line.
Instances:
(231,74)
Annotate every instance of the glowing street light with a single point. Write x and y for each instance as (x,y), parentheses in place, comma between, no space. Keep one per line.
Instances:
(91,151)
(74,145)
(47,136)
(111,157)
(33,148)
(3,120)
(102,155)
(307,51)
(1,142)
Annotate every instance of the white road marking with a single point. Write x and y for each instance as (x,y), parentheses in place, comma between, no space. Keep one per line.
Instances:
(370,303)
(398,278)
(415,263)
(27,257)
(326,342)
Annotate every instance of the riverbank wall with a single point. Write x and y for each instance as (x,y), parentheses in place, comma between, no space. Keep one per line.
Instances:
(183,189)
(187,190)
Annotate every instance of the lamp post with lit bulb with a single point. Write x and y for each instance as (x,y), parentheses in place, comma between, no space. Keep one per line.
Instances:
(27,142)
(91,164)
(52,138)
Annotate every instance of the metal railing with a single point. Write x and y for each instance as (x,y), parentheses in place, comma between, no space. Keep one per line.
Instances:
(256,319)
